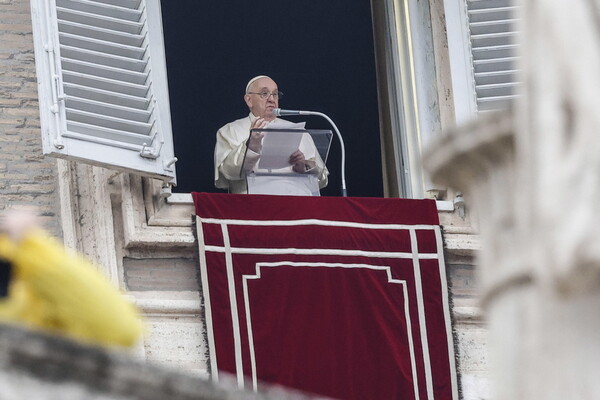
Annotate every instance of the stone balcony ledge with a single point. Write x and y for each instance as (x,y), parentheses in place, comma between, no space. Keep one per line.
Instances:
(36,365)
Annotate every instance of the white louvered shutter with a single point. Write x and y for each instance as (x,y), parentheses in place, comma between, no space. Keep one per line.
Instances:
(492,28)
(102,84)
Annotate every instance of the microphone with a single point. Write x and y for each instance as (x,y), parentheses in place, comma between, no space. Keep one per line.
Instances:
(278,112)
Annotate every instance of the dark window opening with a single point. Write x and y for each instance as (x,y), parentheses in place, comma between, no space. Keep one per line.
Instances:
(320,54)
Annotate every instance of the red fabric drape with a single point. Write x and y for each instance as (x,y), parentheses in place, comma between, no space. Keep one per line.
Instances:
(344,297)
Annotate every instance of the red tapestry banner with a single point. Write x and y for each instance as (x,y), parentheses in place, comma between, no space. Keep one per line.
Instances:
(342,297)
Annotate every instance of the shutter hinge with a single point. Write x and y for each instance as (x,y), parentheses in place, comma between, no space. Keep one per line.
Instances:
(459,205)
(151,152)
(167,164)
(165,190)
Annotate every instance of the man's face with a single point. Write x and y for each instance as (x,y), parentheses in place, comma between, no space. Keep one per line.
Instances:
(260,107)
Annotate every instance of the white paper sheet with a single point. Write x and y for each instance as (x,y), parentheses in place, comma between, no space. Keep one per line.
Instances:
(277,147)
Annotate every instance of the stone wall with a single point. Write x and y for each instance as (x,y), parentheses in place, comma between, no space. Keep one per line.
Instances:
(470,329)
(27,178)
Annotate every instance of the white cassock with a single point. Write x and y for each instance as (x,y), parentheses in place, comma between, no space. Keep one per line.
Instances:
(234,161)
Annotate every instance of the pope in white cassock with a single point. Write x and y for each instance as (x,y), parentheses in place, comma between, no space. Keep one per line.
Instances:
(237,152)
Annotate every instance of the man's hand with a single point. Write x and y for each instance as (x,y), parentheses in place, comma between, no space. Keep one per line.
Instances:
(255,141)
(298,161)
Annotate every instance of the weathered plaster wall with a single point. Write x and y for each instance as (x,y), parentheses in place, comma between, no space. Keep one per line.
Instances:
(471,332)
(26,177)
(461,244)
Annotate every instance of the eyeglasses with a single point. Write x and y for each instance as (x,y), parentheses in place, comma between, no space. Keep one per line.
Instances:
(277,94)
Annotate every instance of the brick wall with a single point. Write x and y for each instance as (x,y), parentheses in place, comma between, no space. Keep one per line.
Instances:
(26,177)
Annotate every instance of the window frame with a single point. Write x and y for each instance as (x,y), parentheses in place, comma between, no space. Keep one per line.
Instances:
(408,94)
(461,61)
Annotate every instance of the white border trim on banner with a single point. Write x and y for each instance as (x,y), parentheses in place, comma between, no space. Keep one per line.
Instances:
(421,310)
(318,222)
(446,307)
(320,252)
(235,320)
(386,269)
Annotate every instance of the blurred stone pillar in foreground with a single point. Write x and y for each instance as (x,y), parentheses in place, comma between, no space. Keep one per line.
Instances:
(534,177)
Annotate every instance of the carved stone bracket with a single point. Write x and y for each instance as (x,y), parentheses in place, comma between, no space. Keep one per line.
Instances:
(86,214)
(149,223)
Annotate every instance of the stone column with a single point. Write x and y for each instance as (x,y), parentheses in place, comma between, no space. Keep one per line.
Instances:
(534,177)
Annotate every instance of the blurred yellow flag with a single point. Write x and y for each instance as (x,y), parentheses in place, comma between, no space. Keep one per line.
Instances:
(57,290)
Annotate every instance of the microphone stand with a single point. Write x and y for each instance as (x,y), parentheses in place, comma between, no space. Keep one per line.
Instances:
(339,135)
(280,112)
